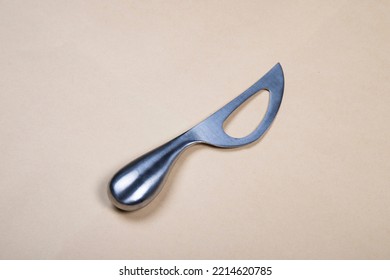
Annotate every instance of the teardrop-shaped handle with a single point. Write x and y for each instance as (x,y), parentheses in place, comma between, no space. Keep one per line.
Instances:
(136,184)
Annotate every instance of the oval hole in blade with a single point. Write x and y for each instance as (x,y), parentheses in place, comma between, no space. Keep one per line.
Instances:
(248,116)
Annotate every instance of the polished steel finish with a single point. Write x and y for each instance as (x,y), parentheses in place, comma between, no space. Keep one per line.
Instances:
(136,184)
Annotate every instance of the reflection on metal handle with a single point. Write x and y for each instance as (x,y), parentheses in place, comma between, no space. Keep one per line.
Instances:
(136,184)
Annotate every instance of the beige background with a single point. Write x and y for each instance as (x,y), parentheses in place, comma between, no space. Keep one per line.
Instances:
(86,86)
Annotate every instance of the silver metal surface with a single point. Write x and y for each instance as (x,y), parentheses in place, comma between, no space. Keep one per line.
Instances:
(136,184)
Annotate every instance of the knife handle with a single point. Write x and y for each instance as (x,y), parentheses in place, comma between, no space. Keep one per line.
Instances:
(136,184)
